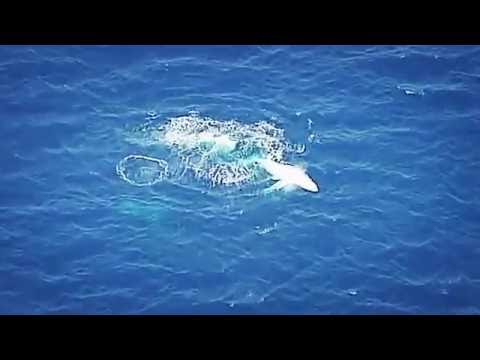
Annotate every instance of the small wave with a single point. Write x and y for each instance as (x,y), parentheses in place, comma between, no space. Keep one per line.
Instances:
(262,231)
(411,89)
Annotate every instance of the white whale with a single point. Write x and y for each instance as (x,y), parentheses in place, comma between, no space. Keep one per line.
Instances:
(288,176)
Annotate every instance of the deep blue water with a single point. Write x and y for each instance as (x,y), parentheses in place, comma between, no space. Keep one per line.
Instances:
(391,136)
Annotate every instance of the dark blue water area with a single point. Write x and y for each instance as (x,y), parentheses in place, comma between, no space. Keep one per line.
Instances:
(391,136)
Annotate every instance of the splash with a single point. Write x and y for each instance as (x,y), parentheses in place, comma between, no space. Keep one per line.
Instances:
(193,133)
(218,153)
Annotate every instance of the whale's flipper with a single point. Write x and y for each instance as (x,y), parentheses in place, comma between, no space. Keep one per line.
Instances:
(280,185)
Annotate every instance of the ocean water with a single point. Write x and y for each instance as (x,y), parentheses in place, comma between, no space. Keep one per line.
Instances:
(389,133)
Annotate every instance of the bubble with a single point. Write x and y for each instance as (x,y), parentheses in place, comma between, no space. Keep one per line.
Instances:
(140,170)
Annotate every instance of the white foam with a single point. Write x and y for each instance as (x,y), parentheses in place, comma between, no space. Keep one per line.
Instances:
(221,153)
(219,148)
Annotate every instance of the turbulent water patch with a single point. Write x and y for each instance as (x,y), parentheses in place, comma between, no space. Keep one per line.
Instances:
(219,153)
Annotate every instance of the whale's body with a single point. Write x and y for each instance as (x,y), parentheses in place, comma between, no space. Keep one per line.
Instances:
(288,176)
